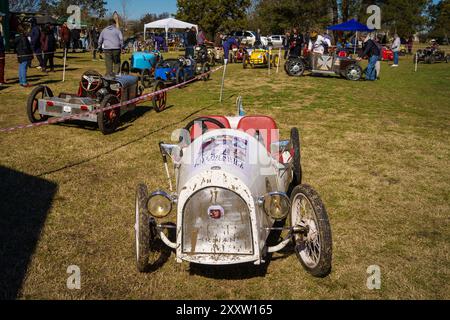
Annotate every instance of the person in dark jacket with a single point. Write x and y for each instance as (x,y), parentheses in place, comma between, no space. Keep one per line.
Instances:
(24,55)
(227,44)
(94,42)
(49,47)
(36,42)
(75,35)
(286,44)
(296,43)
(191,42)
(371,50)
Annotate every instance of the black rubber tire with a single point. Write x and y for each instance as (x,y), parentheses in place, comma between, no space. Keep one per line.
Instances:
(125,68)
(206,68)
(356,67)
(105,123)
(159,101)
(32,103)
(296,161)
(143,234)
(146,80)
(323,266)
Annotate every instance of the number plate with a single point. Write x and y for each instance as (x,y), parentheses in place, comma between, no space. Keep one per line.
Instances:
(67,109)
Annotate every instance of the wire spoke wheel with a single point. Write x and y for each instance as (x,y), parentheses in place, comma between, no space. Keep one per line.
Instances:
(313,247)
(109,120)
(160,100)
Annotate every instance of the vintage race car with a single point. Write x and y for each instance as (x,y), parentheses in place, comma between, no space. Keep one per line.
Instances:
(259,57)
(329,64)
(143,63)
(236,184)
(176,71)
(431,55)
(95,91)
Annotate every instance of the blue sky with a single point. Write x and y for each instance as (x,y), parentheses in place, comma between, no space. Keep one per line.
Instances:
(137,8)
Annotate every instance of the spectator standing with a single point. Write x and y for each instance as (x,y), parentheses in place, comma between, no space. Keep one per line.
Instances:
(94,42)
(65,36)
(227,45)
(191,42)
(286,44)
(36,42)
(410,44)
(75,35)
(371,50)
(2,51)
(24,55)
(296,43)
(48,42)
(160,43)
(258,42)
(111,39)
(201,37)
(395,47)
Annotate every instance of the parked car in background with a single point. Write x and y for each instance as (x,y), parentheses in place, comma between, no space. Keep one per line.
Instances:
(248,38)
(277,40)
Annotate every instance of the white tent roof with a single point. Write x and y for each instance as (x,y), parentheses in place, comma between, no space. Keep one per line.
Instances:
(169,23)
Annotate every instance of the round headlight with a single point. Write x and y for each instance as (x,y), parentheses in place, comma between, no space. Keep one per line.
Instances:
(159,204)
(277,205)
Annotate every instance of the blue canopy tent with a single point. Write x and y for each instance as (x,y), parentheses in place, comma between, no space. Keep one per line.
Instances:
(351,25)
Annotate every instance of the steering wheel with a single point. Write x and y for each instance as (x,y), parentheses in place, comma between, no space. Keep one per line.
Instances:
(203,121)
(91,81)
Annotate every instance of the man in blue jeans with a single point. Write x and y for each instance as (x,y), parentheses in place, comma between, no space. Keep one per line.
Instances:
(24,55)
(371,50)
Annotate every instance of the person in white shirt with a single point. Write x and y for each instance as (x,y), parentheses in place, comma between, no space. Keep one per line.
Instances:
(395,47)
(318,43)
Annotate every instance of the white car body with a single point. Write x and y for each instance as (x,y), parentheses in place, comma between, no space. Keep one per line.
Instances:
(249,38)
(277,40)
(250,175)
(231,189)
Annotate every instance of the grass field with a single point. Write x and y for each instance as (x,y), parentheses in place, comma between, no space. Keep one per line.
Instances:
(377,152)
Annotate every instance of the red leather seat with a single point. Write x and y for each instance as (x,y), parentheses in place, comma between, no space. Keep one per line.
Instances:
(196,130)
(265,125)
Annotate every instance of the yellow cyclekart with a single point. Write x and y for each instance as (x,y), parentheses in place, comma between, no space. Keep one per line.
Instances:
(260,58)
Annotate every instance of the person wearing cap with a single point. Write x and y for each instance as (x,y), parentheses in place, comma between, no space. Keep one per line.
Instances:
(2,51)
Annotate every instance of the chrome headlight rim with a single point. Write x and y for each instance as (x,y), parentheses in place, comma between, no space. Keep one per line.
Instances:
(164,194)
(262,203)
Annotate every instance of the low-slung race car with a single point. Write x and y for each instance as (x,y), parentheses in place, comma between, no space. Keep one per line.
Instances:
(95,91)
(259,58)
(328,64)
(431,55)
(143,63)
(236,183)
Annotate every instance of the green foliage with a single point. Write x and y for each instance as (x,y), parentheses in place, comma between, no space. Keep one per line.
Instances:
(439,22)
(213,15)
(404,16)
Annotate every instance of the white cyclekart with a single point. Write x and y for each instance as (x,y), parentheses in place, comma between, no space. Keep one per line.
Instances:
(235,182)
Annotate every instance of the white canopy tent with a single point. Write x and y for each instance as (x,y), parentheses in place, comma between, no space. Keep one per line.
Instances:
(166,24)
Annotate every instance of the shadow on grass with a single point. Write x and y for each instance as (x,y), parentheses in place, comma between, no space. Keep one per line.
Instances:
(144,136)
(25,203)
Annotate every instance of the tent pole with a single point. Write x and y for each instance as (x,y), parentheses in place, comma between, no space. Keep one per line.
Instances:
(356,42)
